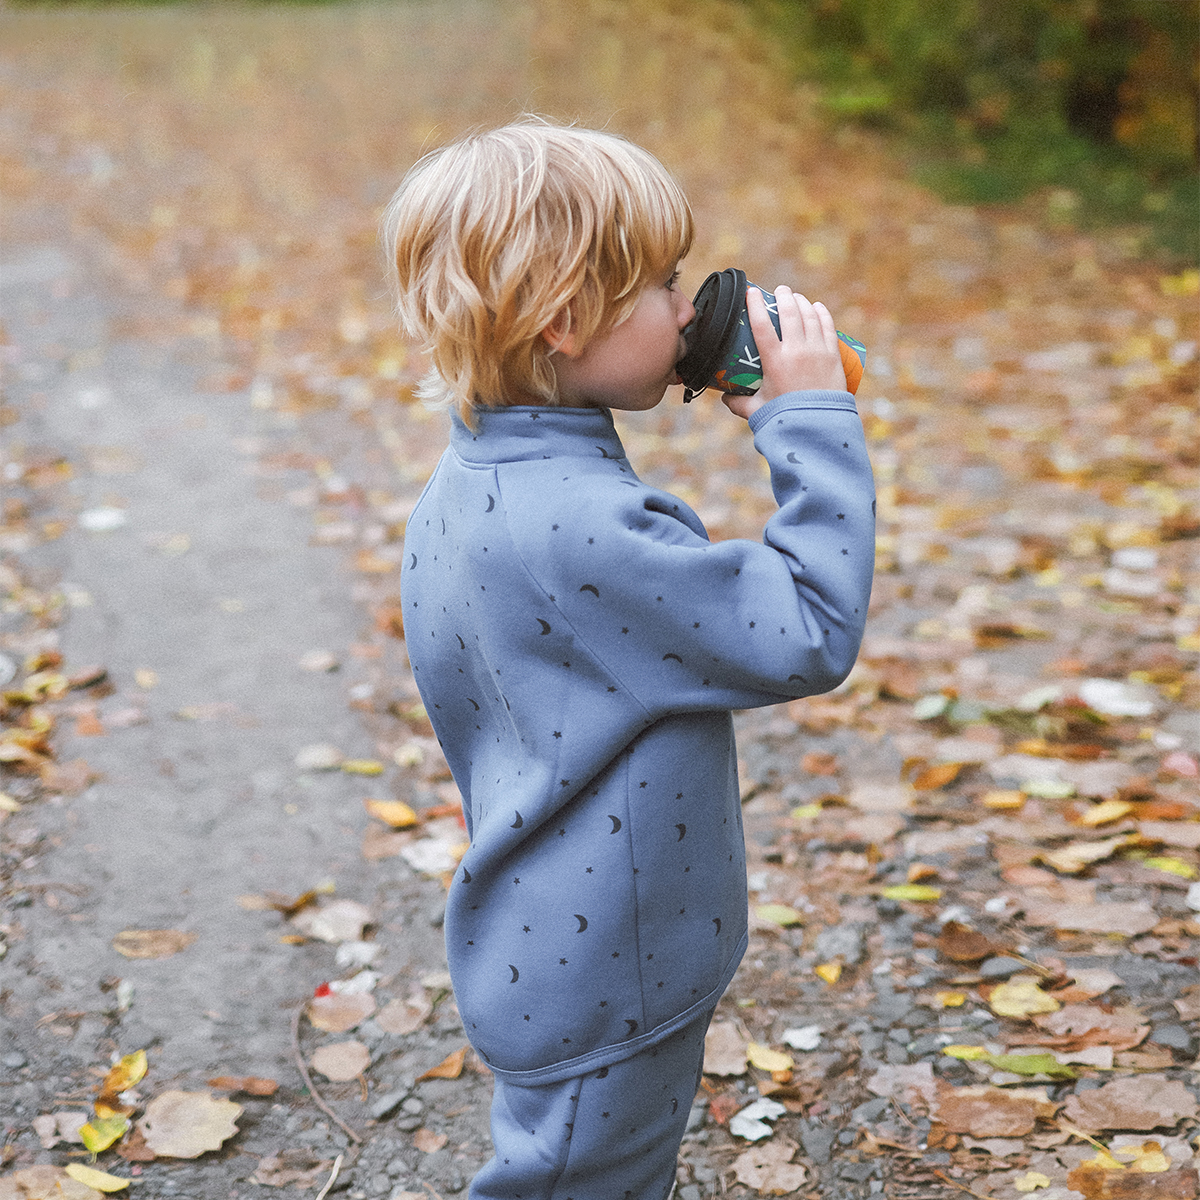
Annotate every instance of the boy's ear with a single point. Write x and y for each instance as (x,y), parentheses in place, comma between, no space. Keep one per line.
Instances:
(559,335)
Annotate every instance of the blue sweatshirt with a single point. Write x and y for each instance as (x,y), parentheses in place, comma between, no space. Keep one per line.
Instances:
(579,645)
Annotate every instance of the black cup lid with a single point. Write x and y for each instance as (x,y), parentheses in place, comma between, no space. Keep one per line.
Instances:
(718,304)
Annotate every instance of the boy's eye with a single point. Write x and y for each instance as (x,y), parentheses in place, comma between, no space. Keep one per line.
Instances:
(673,280)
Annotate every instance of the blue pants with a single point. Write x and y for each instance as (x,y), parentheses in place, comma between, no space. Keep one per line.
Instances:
(612,1134)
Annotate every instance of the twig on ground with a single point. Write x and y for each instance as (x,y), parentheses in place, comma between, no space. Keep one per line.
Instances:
(308,1083)
(337,1166)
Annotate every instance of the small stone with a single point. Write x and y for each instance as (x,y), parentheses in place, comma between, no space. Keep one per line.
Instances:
(696,1117)
(15,1060)
(869,1111)
(690,1191)
(858,1172)
(409,1124)
(846,1138)
(817,1141)
(1000,968)
(1178,1037)
(383,1106)
(413,1105)
(895,1054)
(841,941)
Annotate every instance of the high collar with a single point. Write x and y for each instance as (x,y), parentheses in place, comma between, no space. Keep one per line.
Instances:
(526,432)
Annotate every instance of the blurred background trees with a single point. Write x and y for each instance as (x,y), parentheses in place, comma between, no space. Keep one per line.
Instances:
(1095,100)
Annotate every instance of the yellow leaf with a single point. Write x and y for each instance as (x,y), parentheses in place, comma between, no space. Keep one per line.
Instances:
(1175,866)
(831,972)
(1148,1157)
(778,914)
(1105,811)
(912,891)
(151,943)
(100,1132)
(395,813)
(100,1180)
(937,776)
(806,812)
(1103,1160)
(951,999)
(766,1059)
(1003,799)
(362,766)
(125,1074)
(8,804)
(966,1053)
(1031,1181)
(1021,997)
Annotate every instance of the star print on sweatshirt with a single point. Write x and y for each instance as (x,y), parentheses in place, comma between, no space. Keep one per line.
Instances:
(579,645)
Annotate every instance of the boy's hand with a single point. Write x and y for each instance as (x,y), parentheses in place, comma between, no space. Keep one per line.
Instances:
(806,356)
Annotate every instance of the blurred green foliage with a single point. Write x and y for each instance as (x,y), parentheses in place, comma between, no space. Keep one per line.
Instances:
(1094,101)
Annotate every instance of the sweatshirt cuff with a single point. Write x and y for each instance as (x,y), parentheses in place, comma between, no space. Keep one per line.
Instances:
(815,398)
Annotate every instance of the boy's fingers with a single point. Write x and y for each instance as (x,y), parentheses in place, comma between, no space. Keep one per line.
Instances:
(760,320)
(828,329)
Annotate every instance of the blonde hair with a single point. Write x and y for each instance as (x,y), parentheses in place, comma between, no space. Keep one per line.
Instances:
(495,236)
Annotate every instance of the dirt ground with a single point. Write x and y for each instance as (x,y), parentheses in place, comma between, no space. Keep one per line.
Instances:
(972,869)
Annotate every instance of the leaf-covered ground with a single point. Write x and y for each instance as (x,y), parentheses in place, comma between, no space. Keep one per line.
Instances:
(975,921)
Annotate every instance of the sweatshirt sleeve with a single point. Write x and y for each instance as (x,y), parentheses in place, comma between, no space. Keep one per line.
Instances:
(683,624)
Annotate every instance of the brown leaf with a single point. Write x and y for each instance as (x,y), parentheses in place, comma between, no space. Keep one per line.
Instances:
(339,1012)
(984,1111)
(449,1068)
(69,778)
(1127,917)
(151,943)
(1096,1183)
(44,1182)
(1136,1102)
(724,1050)
(960,943)
(252,1085)
(428,1142)
(767,1167)
(404,1016)
(818,763)
(937,776)
(187,1124)
(341,1061)
(298,1166)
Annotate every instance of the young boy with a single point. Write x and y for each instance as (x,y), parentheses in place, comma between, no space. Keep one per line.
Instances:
(579,643)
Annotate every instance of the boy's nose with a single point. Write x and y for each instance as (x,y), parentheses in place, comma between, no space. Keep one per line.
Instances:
(685,310)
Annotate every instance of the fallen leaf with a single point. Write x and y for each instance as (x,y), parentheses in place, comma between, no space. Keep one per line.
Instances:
(769,1168)
(252,1085)
(1172,866)
(362,766)
(341,1061)
(1003,799)
(908,1083)
(1136,1102)
(1030,1181)
(339,1012)
(937,776)
(129,1070)
(186,1124)
(449,1068)
(951,999)
(44,1182)
(831,972)
(960,943)
(1096,1183)
(395,813)
(779,914)
(920,892)
(299,1166)
(100,1180)
(1105,811)
(984,1112)
(1073,858)
(338,921)
(404,1016)
(321,757)
(766,1059)
(1021,996)
(1129,918)
(151,943)
(807,1037)
(819,763)
(100,1132)
(428,1142)
(724,1050)
(751,1122)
